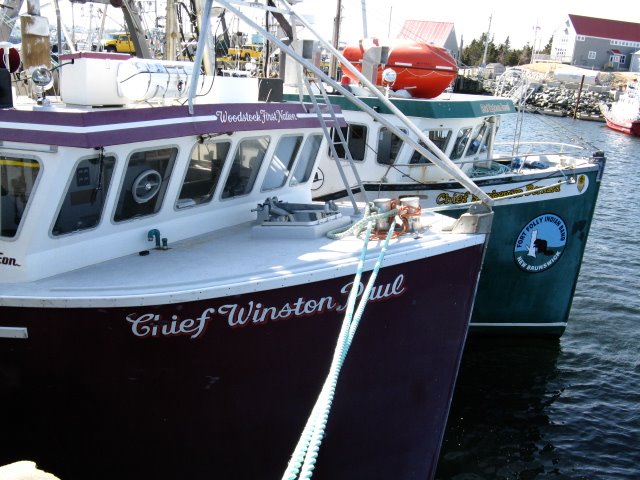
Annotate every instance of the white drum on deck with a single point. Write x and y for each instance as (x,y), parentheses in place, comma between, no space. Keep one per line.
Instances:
(145,79)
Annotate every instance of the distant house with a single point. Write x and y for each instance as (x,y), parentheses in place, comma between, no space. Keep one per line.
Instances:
(440,34)
(595,43)
(635,62)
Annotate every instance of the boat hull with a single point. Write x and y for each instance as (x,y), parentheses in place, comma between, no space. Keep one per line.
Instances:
(117,392)
(520,293)
(629,126)
(526,295)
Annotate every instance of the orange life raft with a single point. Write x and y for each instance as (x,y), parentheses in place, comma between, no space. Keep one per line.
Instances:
(425,71)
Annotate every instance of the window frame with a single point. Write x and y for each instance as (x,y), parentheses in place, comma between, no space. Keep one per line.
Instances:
(162,189)
(231,162)
(107,187)
(182,203)
(349,138)
(291,164)
(311,161)
(34,188)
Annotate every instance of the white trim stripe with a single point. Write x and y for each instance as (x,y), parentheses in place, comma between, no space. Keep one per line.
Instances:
(13,332)
(313,115)
(538,325)
(100,128)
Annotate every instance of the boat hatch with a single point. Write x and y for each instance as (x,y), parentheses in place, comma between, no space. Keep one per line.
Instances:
(299,220)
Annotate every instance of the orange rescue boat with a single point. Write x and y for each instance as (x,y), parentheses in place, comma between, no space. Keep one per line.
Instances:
(425,71)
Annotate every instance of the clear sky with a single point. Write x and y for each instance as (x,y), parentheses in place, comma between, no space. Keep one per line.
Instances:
(509,18)
(513,19)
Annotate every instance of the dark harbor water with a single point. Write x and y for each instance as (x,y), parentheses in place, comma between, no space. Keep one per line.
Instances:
(568,408)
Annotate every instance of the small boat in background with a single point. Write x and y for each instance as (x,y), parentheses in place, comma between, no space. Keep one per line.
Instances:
(623,115)
(423,70)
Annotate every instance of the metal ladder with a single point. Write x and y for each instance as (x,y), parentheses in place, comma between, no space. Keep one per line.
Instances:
(333,143)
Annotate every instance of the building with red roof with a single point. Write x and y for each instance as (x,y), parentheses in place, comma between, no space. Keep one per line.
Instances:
(440,34)
(596,43)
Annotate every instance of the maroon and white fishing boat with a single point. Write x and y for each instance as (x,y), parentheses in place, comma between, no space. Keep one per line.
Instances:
(171,298)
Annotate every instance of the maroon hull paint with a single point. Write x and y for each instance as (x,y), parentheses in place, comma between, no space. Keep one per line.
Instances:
(85,398)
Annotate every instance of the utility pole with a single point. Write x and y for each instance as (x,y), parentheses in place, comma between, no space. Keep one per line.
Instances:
(333,66)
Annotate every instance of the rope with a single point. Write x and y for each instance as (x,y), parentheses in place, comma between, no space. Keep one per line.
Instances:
(305,454)
(399,212)
(495,169)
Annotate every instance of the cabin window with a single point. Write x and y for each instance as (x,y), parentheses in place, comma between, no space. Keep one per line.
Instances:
(389,145)
(461,142)
(245,167)
(478,140)
(417,158)
(440,139)
(145,183)
(356,137)
(282,162)
(203,173)
(84,201)
(592,55)
(17,179)
(307,160)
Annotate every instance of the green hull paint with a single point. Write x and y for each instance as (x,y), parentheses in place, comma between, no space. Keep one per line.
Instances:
(510,300)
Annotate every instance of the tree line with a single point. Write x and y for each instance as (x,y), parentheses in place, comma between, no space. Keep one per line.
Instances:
(473,53)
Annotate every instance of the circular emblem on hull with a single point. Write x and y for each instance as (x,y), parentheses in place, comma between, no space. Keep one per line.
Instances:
(318,180)
(540,243)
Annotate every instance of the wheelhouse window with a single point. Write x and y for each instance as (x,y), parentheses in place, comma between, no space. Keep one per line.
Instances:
(282,162)
(389,145)
(245,167)
(356,137)
(440,139)
(203,173)
(84,201)
(460,144)
(307,160)
(145,183)
(17,180)
(478,140)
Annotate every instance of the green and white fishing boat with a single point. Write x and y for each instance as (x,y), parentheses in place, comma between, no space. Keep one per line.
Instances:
(543,193)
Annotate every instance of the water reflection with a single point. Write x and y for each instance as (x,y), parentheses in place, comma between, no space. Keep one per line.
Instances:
(496,427)
(530,409)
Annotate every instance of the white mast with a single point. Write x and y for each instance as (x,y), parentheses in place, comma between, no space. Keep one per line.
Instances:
(486,44)
(365,34)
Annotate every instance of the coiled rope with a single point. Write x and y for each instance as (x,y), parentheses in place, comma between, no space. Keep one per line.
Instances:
(305,454)
(495,168)
(401,214)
